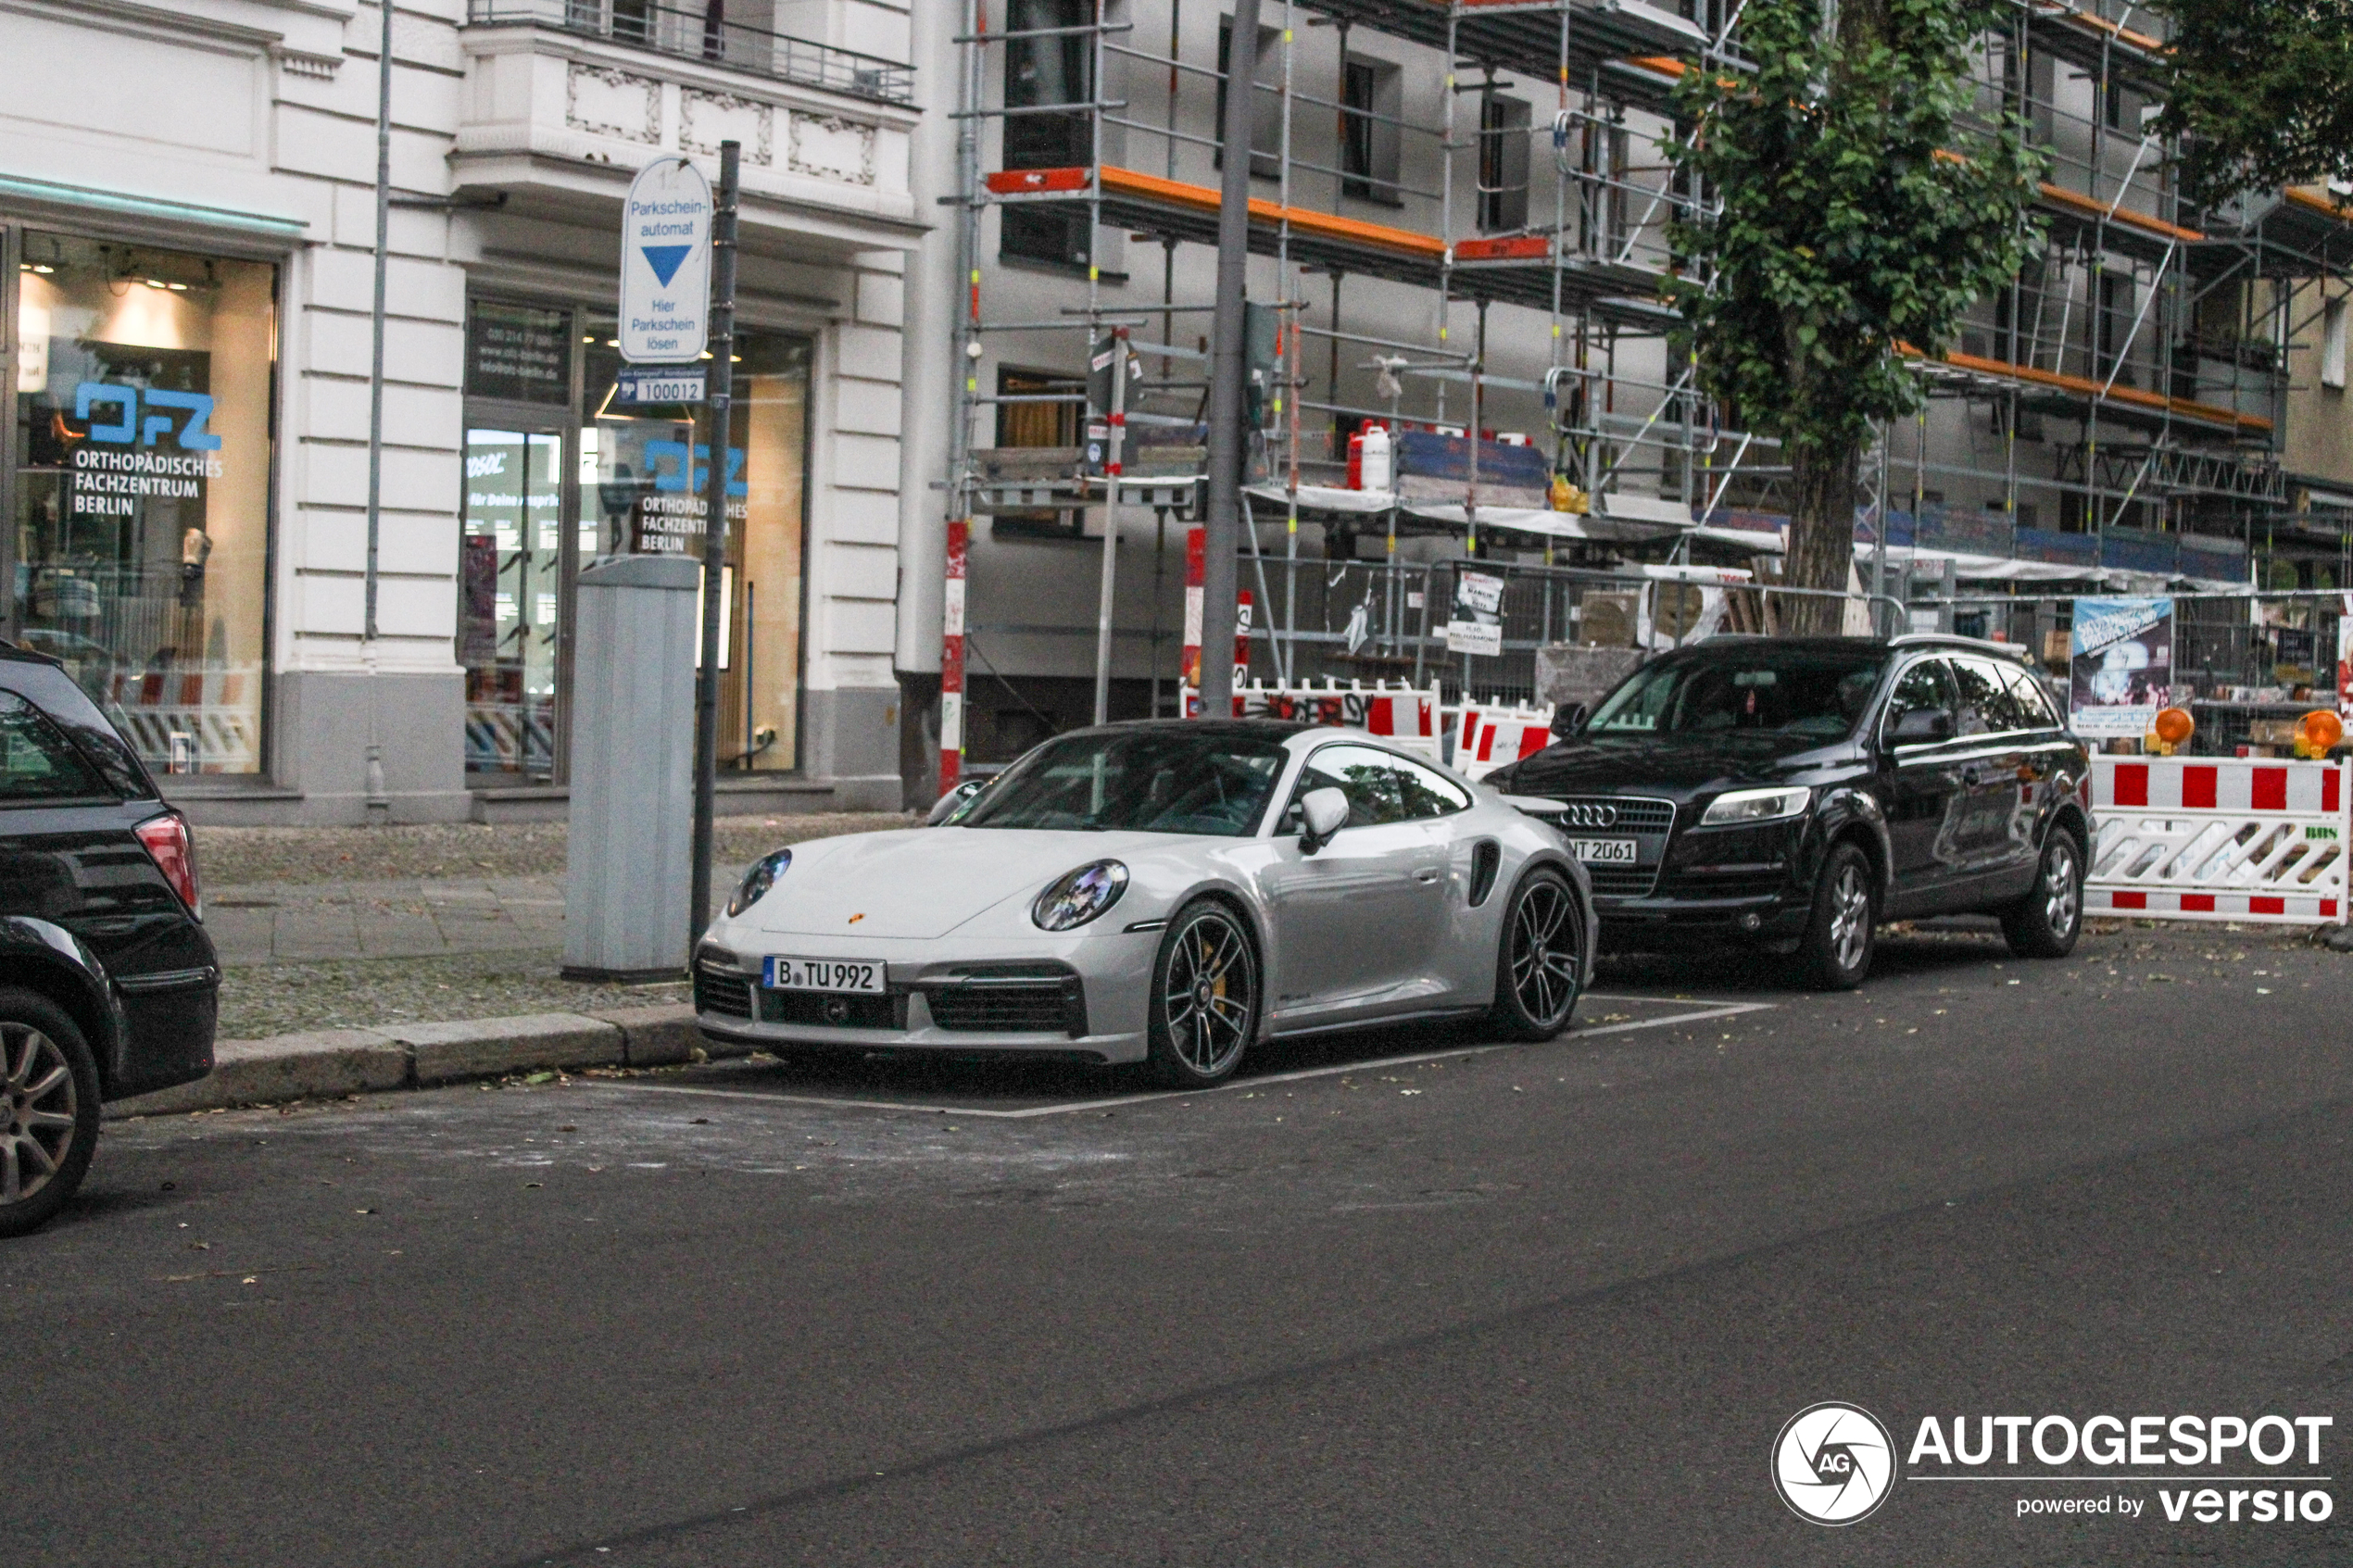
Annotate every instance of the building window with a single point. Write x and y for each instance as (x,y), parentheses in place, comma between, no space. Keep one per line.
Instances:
(144,451)
(2333,345)
(1050,423)
(2119,302)
(1265,104)
(1502,163)
(1039,73)
(642,472)
(1370,97)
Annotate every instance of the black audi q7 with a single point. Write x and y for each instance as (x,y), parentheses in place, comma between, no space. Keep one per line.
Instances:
(1795,792)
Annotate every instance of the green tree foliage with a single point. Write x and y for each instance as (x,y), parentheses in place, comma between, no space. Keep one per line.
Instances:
(2262,88)
(1858,215)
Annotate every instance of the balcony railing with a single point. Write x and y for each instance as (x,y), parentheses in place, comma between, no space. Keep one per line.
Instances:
(704,33)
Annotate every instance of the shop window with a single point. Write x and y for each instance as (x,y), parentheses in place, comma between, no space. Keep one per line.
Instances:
(517,353)
(643,473)
(143,448)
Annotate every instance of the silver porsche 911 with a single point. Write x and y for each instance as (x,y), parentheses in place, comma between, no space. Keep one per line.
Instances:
(1169,891)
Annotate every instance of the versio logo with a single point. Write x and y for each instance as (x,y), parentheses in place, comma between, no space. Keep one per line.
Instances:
(1833,1464)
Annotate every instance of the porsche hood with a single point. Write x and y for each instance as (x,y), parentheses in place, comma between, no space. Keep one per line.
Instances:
(924,883)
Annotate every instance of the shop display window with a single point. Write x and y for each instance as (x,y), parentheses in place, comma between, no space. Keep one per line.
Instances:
(144,451)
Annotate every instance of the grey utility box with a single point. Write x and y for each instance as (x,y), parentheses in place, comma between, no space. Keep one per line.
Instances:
(633,737)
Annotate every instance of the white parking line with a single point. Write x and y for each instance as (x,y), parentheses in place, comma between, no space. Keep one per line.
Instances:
(1723,1009)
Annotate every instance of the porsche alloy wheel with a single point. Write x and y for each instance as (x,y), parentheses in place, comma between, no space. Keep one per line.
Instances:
(1540,960)
(1204,1007)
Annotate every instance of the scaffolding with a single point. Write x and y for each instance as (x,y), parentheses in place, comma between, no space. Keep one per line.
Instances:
(2133,380)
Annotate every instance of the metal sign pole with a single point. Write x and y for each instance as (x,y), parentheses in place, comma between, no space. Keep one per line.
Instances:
(715,539)
(376,322)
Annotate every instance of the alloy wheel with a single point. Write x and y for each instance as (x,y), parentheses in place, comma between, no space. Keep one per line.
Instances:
(1850,916)
(1543,957)
(2062,890)
(37,1112)
(1210,1000)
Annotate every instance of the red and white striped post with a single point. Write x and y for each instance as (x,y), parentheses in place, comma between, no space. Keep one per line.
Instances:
(1196,564)
(951,657)
(1242,648)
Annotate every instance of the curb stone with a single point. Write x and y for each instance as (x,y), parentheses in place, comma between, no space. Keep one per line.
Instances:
(333,1064)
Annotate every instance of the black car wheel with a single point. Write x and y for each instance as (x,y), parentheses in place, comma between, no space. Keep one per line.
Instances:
(48,1110)
(1539,960)
(1837,945)
(1205,992)
(2046,923)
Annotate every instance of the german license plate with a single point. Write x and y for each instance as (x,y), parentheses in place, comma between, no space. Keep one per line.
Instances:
(1604,852)
(823,975)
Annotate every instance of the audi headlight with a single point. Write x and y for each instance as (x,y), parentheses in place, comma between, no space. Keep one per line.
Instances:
(1741,806)
(758,880)
(1076,897)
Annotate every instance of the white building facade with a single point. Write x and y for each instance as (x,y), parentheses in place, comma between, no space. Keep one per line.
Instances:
(189,280)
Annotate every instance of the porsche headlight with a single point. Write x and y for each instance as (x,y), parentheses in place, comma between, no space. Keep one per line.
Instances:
(1741,806)
(758,880)
(1076,897)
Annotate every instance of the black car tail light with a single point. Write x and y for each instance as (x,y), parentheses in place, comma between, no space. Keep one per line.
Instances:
(174,853)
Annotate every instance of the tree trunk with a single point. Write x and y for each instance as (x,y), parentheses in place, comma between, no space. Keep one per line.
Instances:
(1821,537)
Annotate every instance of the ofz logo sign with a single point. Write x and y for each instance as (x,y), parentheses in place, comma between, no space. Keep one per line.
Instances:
(190,434)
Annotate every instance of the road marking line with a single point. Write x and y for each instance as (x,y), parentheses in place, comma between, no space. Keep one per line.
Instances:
(1727,1009)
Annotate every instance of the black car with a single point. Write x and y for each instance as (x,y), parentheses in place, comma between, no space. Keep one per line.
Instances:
(1795,792)
(108,984)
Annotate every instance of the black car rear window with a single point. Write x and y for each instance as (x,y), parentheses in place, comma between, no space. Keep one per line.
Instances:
(1806,690)
(51,692)
(37,762)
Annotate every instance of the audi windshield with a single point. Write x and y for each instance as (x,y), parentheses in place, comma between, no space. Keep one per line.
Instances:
(1809,690)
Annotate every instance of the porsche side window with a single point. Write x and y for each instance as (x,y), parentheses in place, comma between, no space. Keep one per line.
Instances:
(1375,786)
(1428,791)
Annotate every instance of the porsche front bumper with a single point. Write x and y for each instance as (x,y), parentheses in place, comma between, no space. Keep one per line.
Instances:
(1079,999)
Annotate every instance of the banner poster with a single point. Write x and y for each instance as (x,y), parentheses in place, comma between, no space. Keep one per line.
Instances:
(2121,667)
(1476,623)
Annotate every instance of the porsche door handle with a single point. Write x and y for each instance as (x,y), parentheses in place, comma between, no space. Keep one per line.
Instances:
(1427,874)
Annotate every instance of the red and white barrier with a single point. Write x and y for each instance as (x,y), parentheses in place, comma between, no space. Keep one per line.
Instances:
(1405,715)
(2220,838)
(1490,736)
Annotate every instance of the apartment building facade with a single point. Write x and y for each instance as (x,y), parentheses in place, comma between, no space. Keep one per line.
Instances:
(189,278)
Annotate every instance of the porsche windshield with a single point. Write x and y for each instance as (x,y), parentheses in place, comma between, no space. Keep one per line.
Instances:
(1811,691)
(1135,781)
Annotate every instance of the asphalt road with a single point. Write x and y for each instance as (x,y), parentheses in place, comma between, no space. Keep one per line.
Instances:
(1397,1299)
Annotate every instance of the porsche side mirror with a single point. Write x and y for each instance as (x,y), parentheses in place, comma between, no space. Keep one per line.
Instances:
(1326,812)
(1570,718)
(945,806)
(1921,726)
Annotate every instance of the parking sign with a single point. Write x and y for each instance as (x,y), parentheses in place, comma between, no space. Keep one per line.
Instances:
(665,265)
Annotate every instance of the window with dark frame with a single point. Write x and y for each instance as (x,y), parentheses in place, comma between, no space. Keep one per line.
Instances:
(1502,163)
(1039,73)
(1370,92)
(1041,424)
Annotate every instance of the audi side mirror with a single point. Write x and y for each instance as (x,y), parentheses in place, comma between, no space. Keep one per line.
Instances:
(1921,726)
(1326,812)
(1570,718)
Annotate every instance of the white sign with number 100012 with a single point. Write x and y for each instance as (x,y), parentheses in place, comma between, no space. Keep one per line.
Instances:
(665,265)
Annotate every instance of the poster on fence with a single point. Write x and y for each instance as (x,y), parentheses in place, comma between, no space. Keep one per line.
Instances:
(2121,667)
(1476,623)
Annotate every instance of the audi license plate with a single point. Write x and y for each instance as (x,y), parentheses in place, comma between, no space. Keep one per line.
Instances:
(1604,852)
(823,975)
